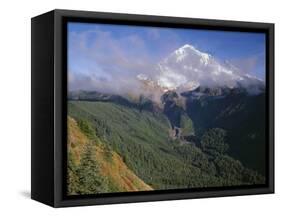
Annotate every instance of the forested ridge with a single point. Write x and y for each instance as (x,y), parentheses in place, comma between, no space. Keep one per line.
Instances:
(115,147)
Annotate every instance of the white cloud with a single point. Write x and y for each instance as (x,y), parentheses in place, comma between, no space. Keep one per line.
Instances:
(249,65)
(99,61)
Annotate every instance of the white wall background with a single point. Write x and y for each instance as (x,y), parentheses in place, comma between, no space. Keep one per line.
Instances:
(15,106)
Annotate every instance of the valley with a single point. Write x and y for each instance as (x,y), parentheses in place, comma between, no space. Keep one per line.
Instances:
(142,145)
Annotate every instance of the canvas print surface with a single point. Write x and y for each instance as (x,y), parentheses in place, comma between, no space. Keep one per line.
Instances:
(153,108)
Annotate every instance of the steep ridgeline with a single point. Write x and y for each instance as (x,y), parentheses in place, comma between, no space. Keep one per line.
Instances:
(93,167)
(143,141)
(140,102)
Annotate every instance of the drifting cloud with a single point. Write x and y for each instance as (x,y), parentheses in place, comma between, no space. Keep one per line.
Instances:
(100,62)
(254,64)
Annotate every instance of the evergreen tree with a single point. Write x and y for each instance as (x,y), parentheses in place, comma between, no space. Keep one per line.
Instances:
(86,128)
(90,180)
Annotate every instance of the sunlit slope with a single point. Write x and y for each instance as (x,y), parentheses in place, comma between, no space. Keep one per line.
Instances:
(121,178)
(110,173)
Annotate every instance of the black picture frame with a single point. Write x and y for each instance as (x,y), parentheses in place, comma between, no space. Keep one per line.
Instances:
(49,107)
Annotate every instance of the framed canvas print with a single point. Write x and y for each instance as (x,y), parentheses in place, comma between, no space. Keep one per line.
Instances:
(134,108)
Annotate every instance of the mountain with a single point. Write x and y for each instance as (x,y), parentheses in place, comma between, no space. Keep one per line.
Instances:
(194,122)
(140,102)
(187,68)
(98,96)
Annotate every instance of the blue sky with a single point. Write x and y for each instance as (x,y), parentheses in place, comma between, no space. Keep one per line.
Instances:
(107,49)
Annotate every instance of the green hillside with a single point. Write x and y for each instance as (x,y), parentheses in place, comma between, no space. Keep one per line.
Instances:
(144,143)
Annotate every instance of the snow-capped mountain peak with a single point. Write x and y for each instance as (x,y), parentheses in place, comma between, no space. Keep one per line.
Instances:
(187,68)
(187,50)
